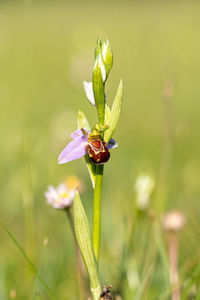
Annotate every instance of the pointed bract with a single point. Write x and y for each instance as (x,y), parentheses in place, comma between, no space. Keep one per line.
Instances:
(82,121)
(115,113)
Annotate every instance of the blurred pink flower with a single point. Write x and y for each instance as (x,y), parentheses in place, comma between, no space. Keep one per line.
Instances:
(60,197)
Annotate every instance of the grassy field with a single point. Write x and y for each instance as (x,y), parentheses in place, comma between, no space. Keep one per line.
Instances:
(46,51)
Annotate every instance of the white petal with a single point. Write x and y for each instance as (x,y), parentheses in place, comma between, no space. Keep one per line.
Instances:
(62,188)
(89,92)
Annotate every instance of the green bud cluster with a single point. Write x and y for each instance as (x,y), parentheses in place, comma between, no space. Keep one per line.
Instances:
(102,66)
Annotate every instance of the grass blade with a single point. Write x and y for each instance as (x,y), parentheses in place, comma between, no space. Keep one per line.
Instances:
(34,269)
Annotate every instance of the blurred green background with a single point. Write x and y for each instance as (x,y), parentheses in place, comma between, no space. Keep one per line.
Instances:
(46,51)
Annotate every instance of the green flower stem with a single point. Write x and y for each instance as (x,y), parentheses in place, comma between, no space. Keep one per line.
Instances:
(97,211)
(95,293)
(79,262)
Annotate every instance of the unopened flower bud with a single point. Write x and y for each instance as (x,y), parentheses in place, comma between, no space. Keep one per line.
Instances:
(144,186)
(98,48)
(99,63)
(107,57)
(174,221)
(99,76)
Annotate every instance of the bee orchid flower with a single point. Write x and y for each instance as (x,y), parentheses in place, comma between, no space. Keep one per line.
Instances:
(83,144)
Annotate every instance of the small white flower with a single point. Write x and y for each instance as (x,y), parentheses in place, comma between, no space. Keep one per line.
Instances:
(89,92)
(144,186)
(60,197)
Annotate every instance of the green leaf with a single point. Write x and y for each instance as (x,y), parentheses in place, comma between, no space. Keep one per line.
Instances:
(82,121)
(98,78)
(34,294)
(107,114)
(34,269)
(83,237)
(115,113)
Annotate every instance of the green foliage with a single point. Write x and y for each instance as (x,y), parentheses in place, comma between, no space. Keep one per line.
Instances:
(115,113)
(31,265)
(83,236)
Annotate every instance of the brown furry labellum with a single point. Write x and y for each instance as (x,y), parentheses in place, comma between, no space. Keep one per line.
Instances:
(98,152)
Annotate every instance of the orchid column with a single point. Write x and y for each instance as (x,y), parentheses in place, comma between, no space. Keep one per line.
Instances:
(94,144)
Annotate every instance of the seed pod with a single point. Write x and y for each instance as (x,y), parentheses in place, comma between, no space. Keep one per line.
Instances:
(98,152)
